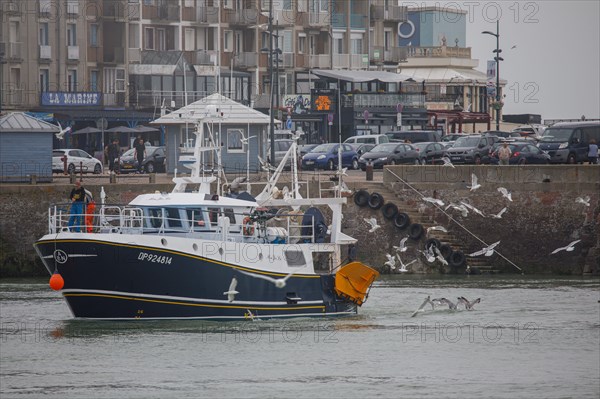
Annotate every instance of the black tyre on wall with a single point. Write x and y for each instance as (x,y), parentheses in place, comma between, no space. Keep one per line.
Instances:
(389,210)
(401,221)
(433,241)
(446,251)
(457,259)
(361,198)
(415,231)
(376,201)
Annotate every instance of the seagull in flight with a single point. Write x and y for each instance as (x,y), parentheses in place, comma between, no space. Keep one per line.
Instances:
(471,207)
(439,256)
(61,135)
(505,193)
(237,182)
(422,307)
(461,208)
(231,292)
(474,185)
(429,255)
(499,214)
(342,172)
(436,228)
(265,165)
(403,266)
(448,302)
(244,140)
(402,247)
(447,162)
(583,200)
(487,251)
(468,305)
(568,248)
(391,261)
(373,223)
(279,282)
(434,201)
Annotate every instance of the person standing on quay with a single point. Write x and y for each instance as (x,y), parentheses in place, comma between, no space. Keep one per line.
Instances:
(504,154)
(140,153)
(112,153)
(77,197)
(593,152)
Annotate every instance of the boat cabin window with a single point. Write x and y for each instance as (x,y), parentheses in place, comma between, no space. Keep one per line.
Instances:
(295,258)
(214,214)
(155,218)
(195,217)
(173,218)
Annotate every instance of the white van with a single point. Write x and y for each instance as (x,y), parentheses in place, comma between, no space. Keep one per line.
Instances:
(368,139)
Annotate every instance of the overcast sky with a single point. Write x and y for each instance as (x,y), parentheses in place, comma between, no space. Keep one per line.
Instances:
(554,70)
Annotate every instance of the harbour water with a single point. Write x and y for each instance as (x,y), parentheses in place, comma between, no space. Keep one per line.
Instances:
(530,337)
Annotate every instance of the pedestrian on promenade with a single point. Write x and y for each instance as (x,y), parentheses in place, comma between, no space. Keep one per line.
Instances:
(140,153)
(504,154)
(77,198)
(593,152)
(112,153)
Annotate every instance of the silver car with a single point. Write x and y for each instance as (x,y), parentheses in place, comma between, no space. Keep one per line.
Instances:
(77,161)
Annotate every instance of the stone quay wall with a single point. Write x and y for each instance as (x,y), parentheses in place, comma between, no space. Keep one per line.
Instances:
(544,214)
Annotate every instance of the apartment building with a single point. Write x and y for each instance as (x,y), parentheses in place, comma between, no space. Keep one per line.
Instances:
(126,61)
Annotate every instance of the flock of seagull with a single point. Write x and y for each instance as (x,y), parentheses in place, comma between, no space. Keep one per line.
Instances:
(432,253)
(469,305)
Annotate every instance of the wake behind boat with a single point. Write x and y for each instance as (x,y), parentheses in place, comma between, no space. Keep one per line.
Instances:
(196,254)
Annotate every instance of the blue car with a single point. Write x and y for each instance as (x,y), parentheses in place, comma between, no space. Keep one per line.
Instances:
(325,156)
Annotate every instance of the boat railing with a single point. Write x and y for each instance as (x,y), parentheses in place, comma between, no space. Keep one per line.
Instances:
(131,220)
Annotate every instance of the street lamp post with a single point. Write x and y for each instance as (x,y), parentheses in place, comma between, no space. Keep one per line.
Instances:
(497,58)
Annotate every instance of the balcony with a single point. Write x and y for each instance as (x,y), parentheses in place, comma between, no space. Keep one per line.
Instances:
(133,12)
(134,55)
(45,52)
(116,11)
(13,51)
(321,61)
(246,60)
(168,13)
(288,60)
(357,21)
(350,61)
(73,53)
(207,15)
(206,57)
(155,98)
(284,17)
(321,19)
(389,13)
(393,55)
(243,17)
(439,52)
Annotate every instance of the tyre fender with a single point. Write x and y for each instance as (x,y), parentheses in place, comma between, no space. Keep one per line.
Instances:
(457,259)
(361,198)
(415,231)
(389,211)
(376,201)
(401,221)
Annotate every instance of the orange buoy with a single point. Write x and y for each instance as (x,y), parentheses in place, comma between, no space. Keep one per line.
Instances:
(57,282)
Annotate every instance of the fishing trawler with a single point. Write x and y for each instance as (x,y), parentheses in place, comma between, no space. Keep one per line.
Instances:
(194,253)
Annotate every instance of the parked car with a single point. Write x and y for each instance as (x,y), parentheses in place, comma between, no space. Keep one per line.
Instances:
(389,154)
(503,134)
(153,162)
(414,136)
(281,147)
(569,142)
(325,156)
(77,160)
(430,153)
(472,149)
(523,152)
(367,139)
(452,137)
(363,148)
(305,149)
(534,130)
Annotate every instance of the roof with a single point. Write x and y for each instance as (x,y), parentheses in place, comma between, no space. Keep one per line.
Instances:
(362,76)
(21,122)
(210,109)
(443,74)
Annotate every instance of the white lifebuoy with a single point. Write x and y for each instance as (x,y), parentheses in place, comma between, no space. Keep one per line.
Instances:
(412,29)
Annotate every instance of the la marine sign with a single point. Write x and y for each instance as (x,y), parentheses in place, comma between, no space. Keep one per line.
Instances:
(71,99)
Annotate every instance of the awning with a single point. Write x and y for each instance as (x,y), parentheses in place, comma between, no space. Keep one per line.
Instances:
(362,76)
(447,75)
